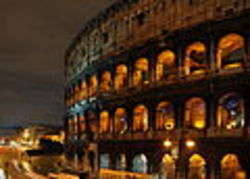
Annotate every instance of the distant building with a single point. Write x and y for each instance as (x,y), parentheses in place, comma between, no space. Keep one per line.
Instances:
(161,88)
(31,136)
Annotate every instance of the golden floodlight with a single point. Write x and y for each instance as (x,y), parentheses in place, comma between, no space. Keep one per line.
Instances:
(167,143)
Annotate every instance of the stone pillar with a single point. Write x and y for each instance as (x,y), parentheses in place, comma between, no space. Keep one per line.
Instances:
(129,161)
(179,113)
(130,118)
(212,53)
(248,49)
(179,58)
(181,163)
(130,71)
(211,111)
(151,116)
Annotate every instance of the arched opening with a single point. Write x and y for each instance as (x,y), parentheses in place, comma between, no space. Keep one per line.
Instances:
(75,124)
(82,123)
(141,72)
(166,66)
(76,93)
(106,81)
(230,167)
(70,127)
(83,90)
(121,77)
(105,161)
(92,121)
(93,83)
(121,123)
(168,167)
(104,122)
(230,52)
(165,116)
(140,118)
(140,164)
(195,113)
(197,167)
(121,162)
(230,112)
(195,61)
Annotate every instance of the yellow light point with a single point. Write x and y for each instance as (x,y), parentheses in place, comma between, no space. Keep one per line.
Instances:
(241,175)
(167,57)
(190,144)
(199,124)
(167,143)
(197,46)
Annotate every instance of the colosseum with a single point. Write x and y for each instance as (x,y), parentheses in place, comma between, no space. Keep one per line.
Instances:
(159,89)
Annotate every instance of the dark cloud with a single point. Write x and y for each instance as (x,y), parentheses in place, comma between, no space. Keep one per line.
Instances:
(34,35)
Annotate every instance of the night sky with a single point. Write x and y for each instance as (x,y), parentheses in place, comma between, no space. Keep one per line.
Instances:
(34,35)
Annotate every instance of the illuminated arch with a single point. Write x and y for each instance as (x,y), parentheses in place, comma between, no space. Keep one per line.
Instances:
(197,167)
(165,66)
(230,111)
(168,167)
(121,76)
(82,123)
(230,165)
(93,83)
(83,90)
(75,124)
(105,160)
(195,61)
(104,122)
(140,118)
(106,81)
(76,93)
(121,162)
(121,123)
(195,113)
(92,121)
(70,126)
(140,163)
(141,72)
(230,52)
(165,116)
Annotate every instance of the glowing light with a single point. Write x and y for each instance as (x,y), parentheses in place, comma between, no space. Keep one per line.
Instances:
(233,65)
(190,144)
(199,124)
(241,175)
(26,134)
(167,143)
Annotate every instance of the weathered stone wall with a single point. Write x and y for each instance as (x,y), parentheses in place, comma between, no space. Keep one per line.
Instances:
(130,24)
